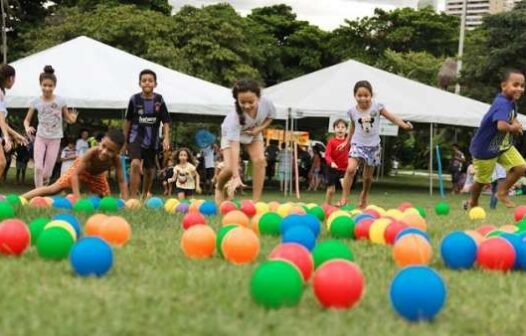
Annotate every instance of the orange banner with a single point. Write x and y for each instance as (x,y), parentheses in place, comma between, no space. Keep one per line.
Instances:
(301,138)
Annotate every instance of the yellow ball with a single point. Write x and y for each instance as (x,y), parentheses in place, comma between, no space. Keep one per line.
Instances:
(411,211)
(262,208)
(355,212)
(64,225)
(284,209)
(23,201)
(394,213)
(170,205)
(477,213)
(336,214)
(381,211)
(133,203)
(377,229)
(310,205)
(509,228)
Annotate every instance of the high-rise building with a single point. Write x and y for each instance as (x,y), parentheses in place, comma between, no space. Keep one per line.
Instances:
(476,9)
(428,3)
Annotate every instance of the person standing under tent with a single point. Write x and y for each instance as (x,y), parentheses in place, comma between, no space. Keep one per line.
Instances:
(82,144)
(455,168)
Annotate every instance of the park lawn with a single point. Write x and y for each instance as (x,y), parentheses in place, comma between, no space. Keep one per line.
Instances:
(153,289)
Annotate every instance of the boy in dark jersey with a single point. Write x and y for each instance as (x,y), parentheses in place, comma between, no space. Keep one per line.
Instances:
(145,113)
(90,170)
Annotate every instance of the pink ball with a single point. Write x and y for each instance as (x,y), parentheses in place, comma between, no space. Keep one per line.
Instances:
(404,206)
(14,237)
(248,208)
(226,207)
(193,218)
(296,254)
(373,213)
(520,211)
(496,254)
(485,229)
(361,229)
(338,284)
(393,230)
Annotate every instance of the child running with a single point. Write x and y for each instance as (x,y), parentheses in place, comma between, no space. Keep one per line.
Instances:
(337,159)
(364,137)
(185,175)
(493,141)
(166,174)
(90,170)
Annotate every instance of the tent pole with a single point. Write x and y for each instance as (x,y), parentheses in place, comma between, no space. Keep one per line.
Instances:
(292,143)
(431,159)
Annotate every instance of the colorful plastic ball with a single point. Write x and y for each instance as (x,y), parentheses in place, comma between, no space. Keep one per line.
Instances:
(14,200)
(377,230)
(335,215)
(72,220)
(394,213)
(254,224)
(442,209)
(329,250)
(221,235)
(362,227)
(108,204)
(35,228)
(193,218)
(520,249)
(198,242)
(63,225)
(313,223)
(84,205)
(485,229)
(413,211)
(318,212)
(208,208)
(14,237)
(404,206)
(95,201)
(284,209)
(348,207)
(54,243)
(291,221)
(358,218)
(170,205)
(411,230)
(133,204)
(275,284)
(273,206)
(237,217)
(195,205)
(421,211)
(496,254)
(182,207)
(23,201)
(269,224)
(91,256)
(115,230)
(71,198)
(418,293)
(62,203)
(412,249)
(154,203)
(301,235)
(226,207)
(121,203)
(477,213)
(392,230)
(375,214)
(520,212)
(342,228)
(296,254)
(458,250)
(508,228)
(494,233)
(240,245)
(262,208)
(415,221)
(476,236)
(6,211)
(248,207)
(338,284)
(94,223)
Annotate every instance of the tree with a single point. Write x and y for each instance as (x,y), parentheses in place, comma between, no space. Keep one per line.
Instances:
(162,6)
(420,66)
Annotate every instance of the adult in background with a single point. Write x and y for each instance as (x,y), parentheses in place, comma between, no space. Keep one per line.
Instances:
(82,144)
(208,155)
(455,168)
(244,125)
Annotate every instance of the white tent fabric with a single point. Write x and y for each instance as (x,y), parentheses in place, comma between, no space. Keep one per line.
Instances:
(93,75)
(328,92)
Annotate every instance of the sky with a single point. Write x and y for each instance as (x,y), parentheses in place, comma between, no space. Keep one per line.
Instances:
(326,14)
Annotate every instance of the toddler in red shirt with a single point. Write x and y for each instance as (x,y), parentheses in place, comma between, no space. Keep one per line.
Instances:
(336,159)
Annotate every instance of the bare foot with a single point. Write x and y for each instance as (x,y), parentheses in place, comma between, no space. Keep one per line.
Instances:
(219,196)
(342,202)
(505,199)
(363,201)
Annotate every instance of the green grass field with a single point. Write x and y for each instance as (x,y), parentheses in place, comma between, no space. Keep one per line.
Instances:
(153,289)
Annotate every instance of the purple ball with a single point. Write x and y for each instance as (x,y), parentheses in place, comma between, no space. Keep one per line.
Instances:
(182,208)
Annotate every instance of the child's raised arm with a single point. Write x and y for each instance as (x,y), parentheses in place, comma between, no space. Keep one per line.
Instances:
(70,117)
(123,186)
(396,120)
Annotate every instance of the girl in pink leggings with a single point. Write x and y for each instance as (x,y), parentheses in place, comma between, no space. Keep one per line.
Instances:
(50,110)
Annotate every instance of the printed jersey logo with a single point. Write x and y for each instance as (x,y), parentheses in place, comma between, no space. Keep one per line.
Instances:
(366,123)
(147,120)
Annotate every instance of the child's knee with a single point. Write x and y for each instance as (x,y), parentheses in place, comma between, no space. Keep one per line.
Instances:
(351,170)
(259,162)
(135,164)
(520,169)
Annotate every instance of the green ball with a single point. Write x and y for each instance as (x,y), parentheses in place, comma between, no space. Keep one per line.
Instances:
(421,211)
(187,201)
(269,224)
(84,205)
(276,284)
(14,200)
(442,209)
(6,211)
(108,204)
(331,249)
(521,225)
(342,227)
(494,233)
(35,228)
(237,203)
(54,243)
(348,207)
(318,212)
(220,235)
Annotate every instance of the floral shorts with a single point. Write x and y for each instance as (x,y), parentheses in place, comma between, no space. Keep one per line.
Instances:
(371,155)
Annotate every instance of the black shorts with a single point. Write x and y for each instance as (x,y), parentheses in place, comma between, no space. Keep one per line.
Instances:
(136,151)
(209,172)
(334,176)
(187,192)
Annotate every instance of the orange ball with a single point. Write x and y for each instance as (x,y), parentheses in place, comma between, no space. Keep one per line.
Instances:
(273,206)
(412,249)
(509,228)
(237,217)
(198,242)
(94,223)
(297,210)
(414,220)
(115,230)
(254,224)
(240,246)
(194,207)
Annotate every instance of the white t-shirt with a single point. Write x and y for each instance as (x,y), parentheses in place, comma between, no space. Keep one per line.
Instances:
(208,154)
(67,163)
(366,125)
(231,130)
(49,117)
(498,173)
(81,146)
(3,108)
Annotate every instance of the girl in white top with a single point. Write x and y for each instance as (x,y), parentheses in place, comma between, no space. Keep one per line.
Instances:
(51,109)
(364,136)
(185,175)
(7,134)
(245,125)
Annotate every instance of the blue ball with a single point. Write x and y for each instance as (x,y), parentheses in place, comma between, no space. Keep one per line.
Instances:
(313,223)
(300,234)
(91,256)
(291,221)
(520,249)
(458,250)
(95,200)
(418,293)
(362,216)
(154,203)
(120,203)
(208,208)
(71,220)
(61,203)
(412,230)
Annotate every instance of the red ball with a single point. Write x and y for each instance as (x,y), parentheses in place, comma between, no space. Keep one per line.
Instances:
(496,254)
(361,229)
(248,207)
(328,209)
(297,254)
(404,206)
(485,229)
(520,211)
(338,284)
(14,237)
(71,198)
(193,218)
(392,230)
(226,207)
(373,213)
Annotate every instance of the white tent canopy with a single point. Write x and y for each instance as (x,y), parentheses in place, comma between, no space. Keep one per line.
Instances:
(93,75)
(328,92)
